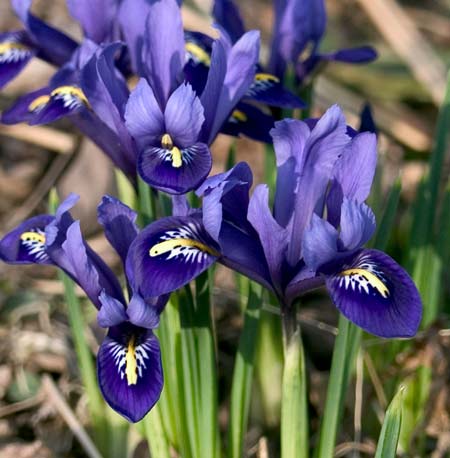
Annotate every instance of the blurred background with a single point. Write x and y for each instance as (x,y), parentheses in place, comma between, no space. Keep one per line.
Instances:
(404,87)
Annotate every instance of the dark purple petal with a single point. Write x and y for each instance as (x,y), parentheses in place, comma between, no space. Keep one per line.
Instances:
(63,101)
(163,48)
(251,121)
(227,15)
(119,224)
(96,17)
(377,294)
(320,243)
(315,163)
(168,254)
(357,224)
(242,252)
(75,261)
(240,73)
(107,93)
(214,85)
(175,171)
(26,244)
(269,89)
(353,174)
(273,237)
(359,55)
(184,116)
(53,45)
(143,116)
(112,312)
(129,370)
(26,107)
(142,314)
(15,53)
(226,196)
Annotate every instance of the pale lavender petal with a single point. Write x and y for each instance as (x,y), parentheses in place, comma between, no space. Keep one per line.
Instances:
(184,116)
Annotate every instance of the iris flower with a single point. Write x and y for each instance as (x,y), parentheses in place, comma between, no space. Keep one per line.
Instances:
(314,236)
(128,362)
(298,30)
(172,125)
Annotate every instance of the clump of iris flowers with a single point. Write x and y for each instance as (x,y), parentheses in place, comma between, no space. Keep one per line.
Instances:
(128,362)
(314,235)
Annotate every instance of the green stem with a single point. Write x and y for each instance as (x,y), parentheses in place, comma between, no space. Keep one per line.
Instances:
(86,364)
(294,401)
(147,202)
(243,373)
(155,435)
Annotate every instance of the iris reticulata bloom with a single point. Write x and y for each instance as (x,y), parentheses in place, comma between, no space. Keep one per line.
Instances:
(314,236)
(128,362)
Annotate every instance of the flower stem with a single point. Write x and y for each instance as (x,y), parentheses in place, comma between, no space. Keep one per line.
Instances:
(294,402)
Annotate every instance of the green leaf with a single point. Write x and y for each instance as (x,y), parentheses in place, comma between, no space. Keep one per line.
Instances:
(390,432)
(344,354)
(154,432)
(243,373)
(294,404)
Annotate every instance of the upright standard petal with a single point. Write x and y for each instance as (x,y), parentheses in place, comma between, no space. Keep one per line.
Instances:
(163,49)
(240,73)
(184,116)
(226,14)
(323,147)
(143,116)
(119,223)
(377,294)
(129,370)
(169,253)
(98,18)
(273,237)
(357,224)
(226,196)
(353,175)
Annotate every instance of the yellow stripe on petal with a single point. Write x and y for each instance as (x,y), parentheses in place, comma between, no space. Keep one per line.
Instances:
(38,102)
(9,46)
(131,363)
(239,115)
(169,245)
(177,160)
(266,77)
(200,54)
(72,91)
(33,237)
(370,278)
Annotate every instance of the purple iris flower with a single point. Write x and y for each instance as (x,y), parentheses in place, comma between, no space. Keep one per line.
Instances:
(98,19)
(314,236)
(38,39)
(171,124)
(128,362)
(299,28)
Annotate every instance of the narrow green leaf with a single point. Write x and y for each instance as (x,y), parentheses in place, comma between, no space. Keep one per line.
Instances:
(126,191)
(294,404)
(390,432)
(337,388)
(269,367)
(147,202)
(154,432)
(168,333)
(243,373)
(86,364)
(387,221)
